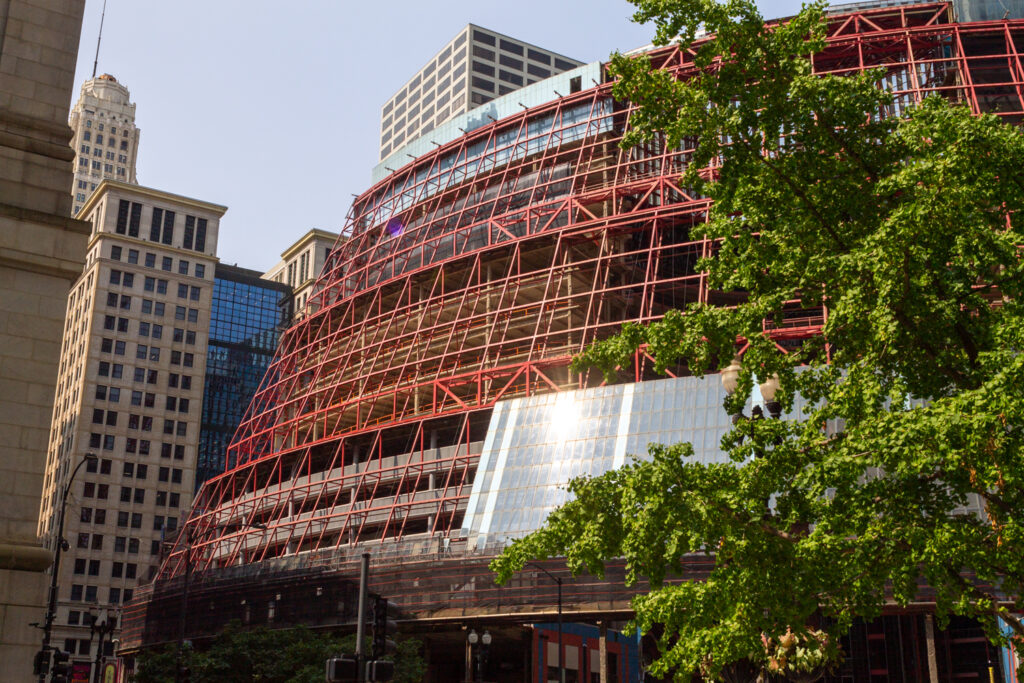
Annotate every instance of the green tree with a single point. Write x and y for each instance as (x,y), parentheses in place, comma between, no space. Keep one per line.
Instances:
(899,226)
(263,655)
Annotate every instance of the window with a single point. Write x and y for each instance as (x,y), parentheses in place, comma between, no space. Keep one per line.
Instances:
(144,445)
(111,418)
(86,515)
(149,284)
(150,260)
(154,353)
(141,350)
(116,370)
(143,329)
(126,302)
(104,369)
(182,429)
(161,286)
(535,70)
(136,521)
(101,518)
(117,570)
(140,374)
(141,471)
(147,305)
(115,253)
(108,442)
(103,491)
(163,474)
(182,291)
(158,308)
(133,546)
(166,262)
(193,293)
(187,360)
(175,500)
(183,267)
(97,539)
(83,540)
(511,47)
(115,596)
(158,331)
(179,312)
(193,315)
(186,382)
(74,617)
(133,256)
(179,452)
(120,542)
(200,270)
(169,427)
(79,566)
(76,596)
(126,494)
(122,519)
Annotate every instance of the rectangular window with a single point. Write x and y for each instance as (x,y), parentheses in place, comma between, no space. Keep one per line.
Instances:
(115,253)
(193,293)
(509,46)
(150,260)
(200,270)
(165,263)
(182,291)
(168,236)
(123,209)
(563,65)
(182,267)
(133,256)
(155,224)
(190,231)
(134,220)
(535,70)
(201,234)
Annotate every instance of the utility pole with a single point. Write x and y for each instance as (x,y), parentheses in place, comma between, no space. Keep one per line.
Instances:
(364,575)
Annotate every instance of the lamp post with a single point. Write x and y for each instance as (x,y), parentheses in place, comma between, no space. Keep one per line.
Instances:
(476,661)
(561,651)
(51,603)
(179,670)
(103,625)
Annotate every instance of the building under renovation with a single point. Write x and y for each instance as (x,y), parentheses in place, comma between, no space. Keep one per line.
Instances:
(424,410)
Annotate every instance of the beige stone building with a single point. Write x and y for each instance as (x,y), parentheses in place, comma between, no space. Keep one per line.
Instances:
(300,265)
(129,389)
(106,140)
(473,68)
(41,253)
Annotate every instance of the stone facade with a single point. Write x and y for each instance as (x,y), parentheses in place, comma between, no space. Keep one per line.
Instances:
(300,265)
(41,253)
(129,390)
(106,140)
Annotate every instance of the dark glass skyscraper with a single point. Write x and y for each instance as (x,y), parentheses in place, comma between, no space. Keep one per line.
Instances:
(245,323)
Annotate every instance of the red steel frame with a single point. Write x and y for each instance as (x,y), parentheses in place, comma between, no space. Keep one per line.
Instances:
(474,273)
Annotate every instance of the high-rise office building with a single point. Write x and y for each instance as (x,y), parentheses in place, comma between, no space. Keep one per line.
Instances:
(475,66)
(300,265)
(246,319)
(41,254)
(129,389)
(106,141)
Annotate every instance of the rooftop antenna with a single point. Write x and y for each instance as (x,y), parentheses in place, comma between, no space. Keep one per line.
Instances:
(99,38)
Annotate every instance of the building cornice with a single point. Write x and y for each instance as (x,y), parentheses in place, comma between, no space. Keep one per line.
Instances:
(151,193)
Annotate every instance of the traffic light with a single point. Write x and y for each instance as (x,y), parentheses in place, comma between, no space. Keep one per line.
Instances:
(382,645)
(380,670)
(61,670)
(341,669)
(41,665)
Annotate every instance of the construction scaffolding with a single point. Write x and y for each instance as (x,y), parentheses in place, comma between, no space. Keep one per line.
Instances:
(476,272)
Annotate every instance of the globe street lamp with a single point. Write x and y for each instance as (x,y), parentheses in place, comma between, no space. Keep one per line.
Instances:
(561,651)
(104,625)
(51,603)
(477,672)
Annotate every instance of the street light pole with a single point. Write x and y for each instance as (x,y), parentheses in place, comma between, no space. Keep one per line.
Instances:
(561,650)
(183,621)
(104,627)
(51,603)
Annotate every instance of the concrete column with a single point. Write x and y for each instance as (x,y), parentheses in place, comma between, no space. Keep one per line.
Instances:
(929,636)
(602,649)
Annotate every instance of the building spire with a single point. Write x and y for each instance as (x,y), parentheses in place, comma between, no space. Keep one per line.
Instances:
(98,39)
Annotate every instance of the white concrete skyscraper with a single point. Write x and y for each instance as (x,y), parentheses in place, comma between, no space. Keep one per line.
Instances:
(106,140)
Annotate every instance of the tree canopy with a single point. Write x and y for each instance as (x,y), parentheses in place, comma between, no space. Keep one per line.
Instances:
(294,655)
(897,223)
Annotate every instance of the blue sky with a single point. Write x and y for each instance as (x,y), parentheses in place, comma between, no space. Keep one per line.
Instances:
(272,108)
